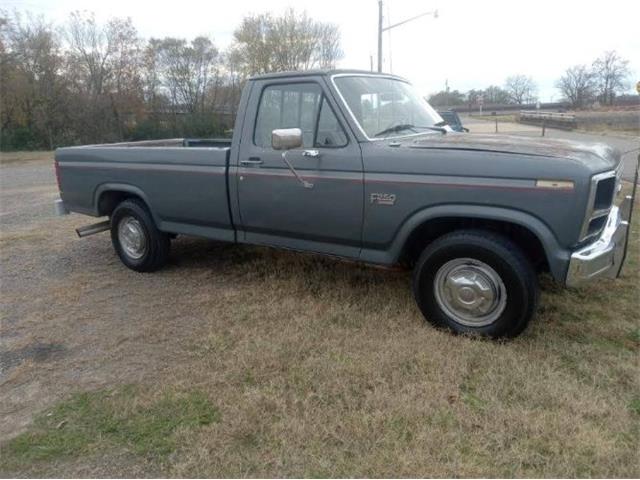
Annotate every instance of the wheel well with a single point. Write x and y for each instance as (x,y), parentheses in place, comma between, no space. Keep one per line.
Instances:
(432,229)
(109,200)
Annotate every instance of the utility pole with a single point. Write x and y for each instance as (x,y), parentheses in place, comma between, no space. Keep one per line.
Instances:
(382,29)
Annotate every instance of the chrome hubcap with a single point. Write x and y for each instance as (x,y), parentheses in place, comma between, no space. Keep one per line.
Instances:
(470,292)
(132,237)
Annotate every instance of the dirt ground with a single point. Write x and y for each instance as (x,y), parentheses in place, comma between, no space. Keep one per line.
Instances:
(317,367)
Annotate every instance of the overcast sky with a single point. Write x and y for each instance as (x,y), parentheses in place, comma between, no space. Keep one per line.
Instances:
(472,44)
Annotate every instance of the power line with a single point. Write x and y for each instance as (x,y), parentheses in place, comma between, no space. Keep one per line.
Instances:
(382,29)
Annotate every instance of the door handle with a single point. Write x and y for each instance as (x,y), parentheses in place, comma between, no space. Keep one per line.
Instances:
(311,153)
(251,161)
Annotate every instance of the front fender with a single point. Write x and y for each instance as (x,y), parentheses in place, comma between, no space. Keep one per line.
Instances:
(557,257)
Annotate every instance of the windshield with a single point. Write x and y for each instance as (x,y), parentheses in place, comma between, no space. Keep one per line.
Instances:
(380,103)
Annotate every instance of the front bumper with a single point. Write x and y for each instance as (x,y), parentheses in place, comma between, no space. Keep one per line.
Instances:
(605,256)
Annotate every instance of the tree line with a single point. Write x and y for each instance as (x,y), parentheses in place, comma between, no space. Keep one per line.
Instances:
(87,82)
(604,81)
(517,89)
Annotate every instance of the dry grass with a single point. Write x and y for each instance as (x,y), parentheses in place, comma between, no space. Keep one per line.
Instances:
(503,117)
(20,157)
(316,367)
(608,129)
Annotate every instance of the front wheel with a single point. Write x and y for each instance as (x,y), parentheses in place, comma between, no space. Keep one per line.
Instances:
(136,240)
(476,282)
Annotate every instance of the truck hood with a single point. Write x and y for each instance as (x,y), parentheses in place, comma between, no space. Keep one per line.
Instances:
(597,157)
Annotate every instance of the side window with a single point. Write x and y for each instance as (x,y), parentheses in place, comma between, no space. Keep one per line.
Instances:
(330,132)
(288,106)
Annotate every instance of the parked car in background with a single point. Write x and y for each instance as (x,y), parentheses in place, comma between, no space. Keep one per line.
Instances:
(358,165)
(453,120)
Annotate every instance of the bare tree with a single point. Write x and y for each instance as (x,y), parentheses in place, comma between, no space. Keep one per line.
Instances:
(125,82)
(31,61)
(150,73)
(91,49)
(236,77)
(98,82)
(252,45)
(578,85)
(7,69)
(104,68)
(186,69)
(205,59)
(328,51)
(290,42)
(473,97)
(521,89)
(495,95)
(447,98)
(611,72)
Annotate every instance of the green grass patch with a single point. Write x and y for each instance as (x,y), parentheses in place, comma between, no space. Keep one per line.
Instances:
(634,336)
(92,421)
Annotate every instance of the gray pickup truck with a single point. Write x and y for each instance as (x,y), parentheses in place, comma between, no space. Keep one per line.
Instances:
(357,165)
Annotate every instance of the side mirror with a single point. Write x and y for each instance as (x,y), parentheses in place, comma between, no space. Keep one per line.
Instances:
(286,138)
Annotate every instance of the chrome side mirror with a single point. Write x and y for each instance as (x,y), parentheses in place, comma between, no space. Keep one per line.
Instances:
(286,138)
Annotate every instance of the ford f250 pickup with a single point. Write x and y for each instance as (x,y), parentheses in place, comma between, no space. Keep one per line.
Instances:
(357,165)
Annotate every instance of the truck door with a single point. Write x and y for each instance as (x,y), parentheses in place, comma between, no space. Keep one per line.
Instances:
(322,210)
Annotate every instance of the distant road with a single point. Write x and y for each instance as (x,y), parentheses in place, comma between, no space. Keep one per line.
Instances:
(623,143)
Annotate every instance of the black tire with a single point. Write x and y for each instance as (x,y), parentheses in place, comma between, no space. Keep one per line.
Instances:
(157,244)
(506,260)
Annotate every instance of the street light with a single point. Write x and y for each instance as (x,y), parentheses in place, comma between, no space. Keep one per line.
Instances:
(384,29)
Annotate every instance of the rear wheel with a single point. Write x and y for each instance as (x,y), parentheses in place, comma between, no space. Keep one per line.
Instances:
(136,240)
(476,282)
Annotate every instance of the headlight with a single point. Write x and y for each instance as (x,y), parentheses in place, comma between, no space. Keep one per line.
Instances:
(601,194)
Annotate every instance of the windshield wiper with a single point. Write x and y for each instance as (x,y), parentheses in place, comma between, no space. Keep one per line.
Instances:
(408,126)
(396,129)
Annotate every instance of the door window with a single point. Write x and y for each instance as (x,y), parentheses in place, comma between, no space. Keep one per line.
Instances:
(330,132)
(303,106)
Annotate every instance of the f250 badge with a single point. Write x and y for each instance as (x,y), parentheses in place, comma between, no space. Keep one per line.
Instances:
(382,198)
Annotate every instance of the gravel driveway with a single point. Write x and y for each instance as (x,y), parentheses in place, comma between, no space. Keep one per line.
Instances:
(57,292)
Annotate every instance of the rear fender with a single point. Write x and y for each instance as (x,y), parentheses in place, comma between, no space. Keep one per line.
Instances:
(123,187)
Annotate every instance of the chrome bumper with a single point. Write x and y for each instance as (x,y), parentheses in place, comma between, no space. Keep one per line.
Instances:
(605,256)
(59,208)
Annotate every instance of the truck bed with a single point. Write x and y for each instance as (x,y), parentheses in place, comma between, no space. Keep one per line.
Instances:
(182,181)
